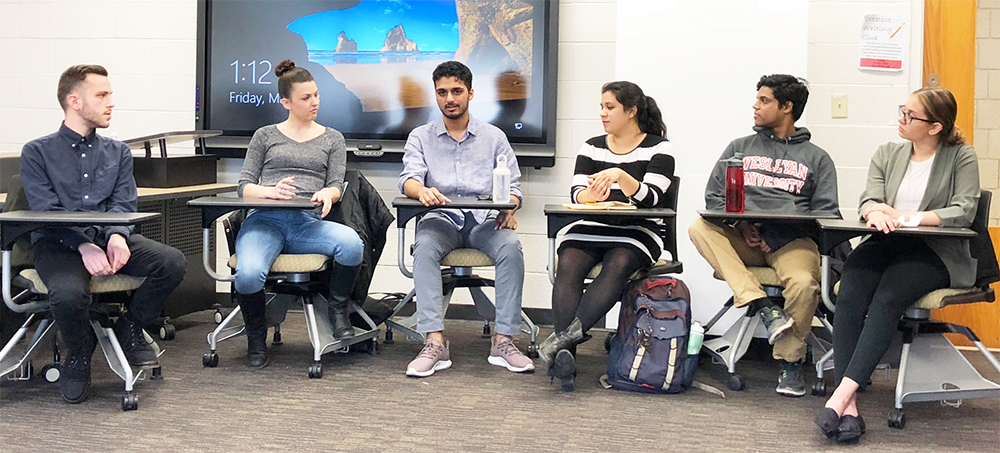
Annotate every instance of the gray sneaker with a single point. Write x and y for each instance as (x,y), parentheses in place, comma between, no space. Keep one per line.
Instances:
(433,357)
(776,322)
(791,381)
(504,353)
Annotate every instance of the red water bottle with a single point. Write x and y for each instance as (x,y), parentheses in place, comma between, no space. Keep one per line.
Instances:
(734,184)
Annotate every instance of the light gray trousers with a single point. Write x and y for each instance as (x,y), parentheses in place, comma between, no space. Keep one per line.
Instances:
(436,236)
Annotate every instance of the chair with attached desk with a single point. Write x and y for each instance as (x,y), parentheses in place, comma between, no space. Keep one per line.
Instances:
(303,276)
(930,367)
(456,272)
(15,225)
(729,348)
(559,217)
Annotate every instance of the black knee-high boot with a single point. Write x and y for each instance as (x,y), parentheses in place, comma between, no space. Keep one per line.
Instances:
(252,306)
(341,285)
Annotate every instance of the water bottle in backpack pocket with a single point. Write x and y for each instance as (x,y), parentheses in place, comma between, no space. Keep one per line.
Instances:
(649,353)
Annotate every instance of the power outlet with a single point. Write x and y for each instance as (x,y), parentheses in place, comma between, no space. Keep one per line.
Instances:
(838,106)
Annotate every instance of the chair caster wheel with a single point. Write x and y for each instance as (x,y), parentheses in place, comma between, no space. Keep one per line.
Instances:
(156,374)
(819,388)
(316,370)
(210,360)
(607,341)
(487,332)
(897,419)
(532,351)
(217,316)
(167,332)
(276,339)
(50,373)
(735,383)
(388,337)
(130,402)
(373,347)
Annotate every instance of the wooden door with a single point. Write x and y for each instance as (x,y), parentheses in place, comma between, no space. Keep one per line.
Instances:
(950,60)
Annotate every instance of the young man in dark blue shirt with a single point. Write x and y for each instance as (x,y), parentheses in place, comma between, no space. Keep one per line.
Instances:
(76,170)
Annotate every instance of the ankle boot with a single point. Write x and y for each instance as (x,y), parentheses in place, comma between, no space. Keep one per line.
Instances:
(252,306)
(561,340)
(341,284)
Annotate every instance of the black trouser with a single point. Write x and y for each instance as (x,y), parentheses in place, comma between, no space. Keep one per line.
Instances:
(68,281)
(568,298)
(882,277)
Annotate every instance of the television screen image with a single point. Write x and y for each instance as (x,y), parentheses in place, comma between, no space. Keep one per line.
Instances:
(372,61)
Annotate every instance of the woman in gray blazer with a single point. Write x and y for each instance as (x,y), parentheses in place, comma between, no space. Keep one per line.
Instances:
(931,179)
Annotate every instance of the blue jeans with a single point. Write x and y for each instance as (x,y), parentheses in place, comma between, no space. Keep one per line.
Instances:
(265,234)
(436,236)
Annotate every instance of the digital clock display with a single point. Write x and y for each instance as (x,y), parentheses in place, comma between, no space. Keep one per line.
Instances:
(372,62)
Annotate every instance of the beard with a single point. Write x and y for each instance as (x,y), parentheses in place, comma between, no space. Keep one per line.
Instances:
(457,115)
(95,119)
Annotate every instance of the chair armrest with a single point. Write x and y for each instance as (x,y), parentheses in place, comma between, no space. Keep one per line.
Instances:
(18,223)
(213,207)
(558,217)
(408,208)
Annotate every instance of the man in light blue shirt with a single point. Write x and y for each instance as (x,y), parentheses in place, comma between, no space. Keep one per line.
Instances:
(453,156)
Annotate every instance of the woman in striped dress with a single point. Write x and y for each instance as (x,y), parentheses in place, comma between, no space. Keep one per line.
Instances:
(629,164)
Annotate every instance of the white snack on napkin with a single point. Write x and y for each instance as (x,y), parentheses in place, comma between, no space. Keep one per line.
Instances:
(914,220)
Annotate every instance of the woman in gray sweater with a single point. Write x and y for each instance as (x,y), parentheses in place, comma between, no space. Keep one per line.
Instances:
(931,179)
(297,157)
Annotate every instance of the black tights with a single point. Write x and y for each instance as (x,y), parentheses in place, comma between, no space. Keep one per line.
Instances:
(568,297)
(882,277)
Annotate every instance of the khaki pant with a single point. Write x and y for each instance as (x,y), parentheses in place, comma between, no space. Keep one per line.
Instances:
(797,266)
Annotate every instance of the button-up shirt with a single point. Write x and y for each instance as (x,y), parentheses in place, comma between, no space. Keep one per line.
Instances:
(458,168)
(65,171)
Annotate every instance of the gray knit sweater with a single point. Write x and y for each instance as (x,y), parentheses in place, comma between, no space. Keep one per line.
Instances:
(315,164)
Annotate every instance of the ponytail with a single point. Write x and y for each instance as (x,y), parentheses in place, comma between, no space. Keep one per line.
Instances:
(651,119)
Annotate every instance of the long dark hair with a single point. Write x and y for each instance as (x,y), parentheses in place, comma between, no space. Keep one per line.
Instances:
(647,113)
(289,75)
(941,107)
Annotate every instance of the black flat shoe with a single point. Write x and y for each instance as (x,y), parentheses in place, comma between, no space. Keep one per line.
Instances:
(563,367)
(851,428)
(828,422)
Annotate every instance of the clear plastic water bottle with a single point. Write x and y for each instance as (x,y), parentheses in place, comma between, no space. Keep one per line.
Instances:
(695,339)
(501,181)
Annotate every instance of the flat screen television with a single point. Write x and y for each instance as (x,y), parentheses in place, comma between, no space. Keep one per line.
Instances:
(372,61)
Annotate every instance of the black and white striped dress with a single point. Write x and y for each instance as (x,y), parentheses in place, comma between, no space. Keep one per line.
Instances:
(652,166)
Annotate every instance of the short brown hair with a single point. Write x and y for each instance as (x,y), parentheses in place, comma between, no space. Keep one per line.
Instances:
(73,76)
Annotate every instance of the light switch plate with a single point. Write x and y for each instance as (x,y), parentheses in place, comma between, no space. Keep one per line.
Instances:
(838,106)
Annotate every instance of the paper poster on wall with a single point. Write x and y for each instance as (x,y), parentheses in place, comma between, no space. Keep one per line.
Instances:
(883,43)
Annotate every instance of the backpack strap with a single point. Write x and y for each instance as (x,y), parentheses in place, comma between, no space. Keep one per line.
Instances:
(671,364)
(636,362)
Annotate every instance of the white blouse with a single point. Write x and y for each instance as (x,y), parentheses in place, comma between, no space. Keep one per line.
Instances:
(914,184)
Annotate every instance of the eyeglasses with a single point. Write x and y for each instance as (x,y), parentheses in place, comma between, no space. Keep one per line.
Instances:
(908,118)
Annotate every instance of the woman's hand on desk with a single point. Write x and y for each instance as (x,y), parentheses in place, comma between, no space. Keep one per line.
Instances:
(328,196)
(883,208)
(882,221)
(598,188)
(283,190)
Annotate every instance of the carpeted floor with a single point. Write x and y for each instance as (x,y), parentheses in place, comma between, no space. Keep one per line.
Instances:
(366,403)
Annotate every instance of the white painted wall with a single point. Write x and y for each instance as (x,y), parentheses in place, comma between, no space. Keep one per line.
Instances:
(149,48)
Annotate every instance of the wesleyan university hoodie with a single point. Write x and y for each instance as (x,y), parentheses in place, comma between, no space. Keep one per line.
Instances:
(779,175)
